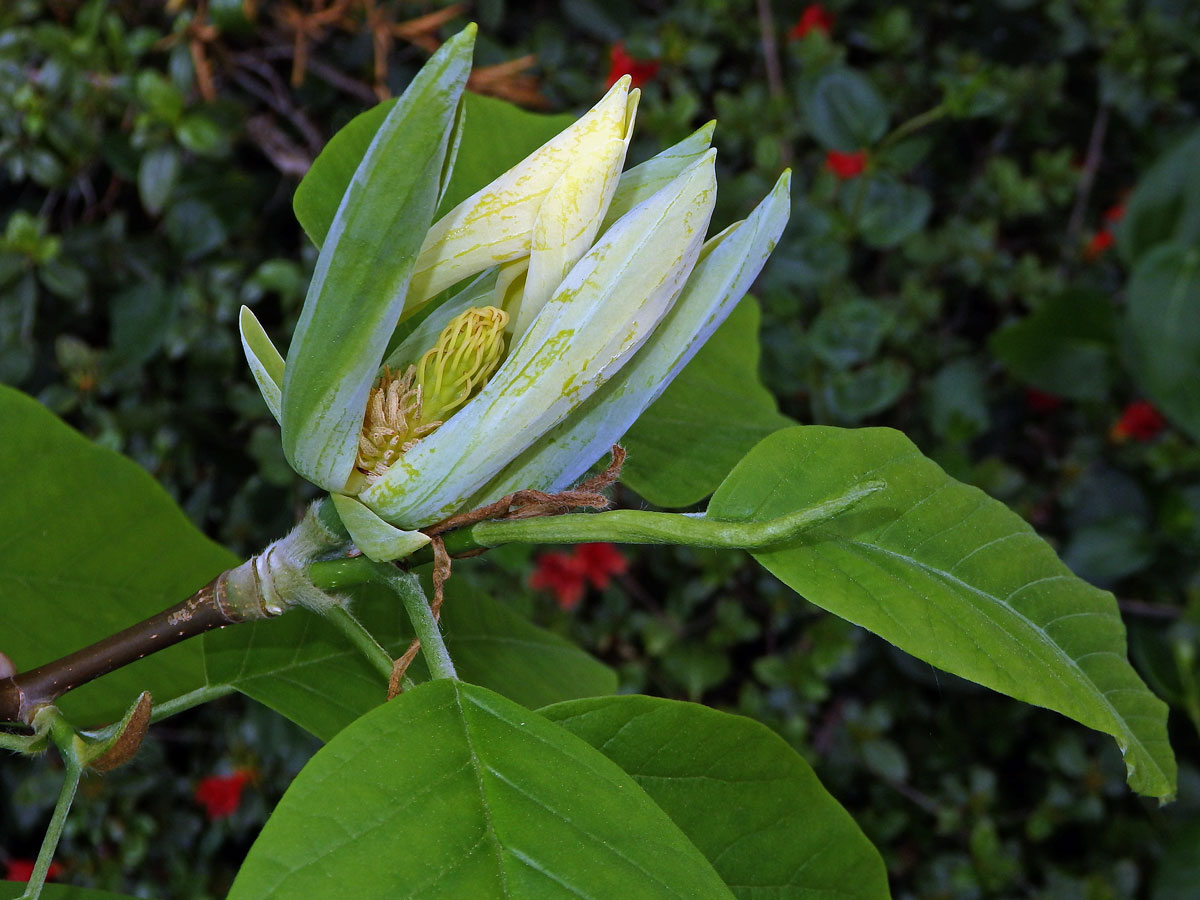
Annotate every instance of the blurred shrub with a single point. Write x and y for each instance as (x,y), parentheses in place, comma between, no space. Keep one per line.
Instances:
(994,223)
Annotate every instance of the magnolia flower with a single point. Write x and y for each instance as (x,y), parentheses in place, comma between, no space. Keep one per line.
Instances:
(531,324)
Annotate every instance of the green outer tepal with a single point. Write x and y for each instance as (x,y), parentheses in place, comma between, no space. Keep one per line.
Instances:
(362,273)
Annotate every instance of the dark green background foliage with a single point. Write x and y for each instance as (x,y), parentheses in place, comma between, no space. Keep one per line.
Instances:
(929,294)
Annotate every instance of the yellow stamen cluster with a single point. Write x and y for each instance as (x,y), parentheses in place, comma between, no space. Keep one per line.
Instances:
(404,407)
(466,354)
(393,422)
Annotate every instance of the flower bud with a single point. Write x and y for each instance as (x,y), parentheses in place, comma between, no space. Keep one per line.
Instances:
(592,291)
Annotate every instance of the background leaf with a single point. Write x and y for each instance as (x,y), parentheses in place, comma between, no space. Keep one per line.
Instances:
(710,416)
(306,670)
(745,798)
(94,545)
(1165,206)
(844,111)
(953,577)
(452,791)
(1163,318)
(1065,347)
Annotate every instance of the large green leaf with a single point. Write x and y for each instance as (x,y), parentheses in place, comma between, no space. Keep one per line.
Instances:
(745,798)
(304,668)
(452,791)
(11,890)
(92,545)
(953,577)
(710,416)
(361,276)
(1163,319)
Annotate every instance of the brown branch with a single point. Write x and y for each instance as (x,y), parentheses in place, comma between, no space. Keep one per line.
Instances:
(223,601)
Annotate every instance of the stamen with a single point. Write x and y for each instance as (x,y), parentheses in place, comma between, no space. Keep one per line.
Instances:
(403,408)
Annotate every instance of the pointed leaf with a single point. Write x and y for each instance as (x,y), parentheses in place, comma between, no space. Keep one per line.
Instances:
(94,545)
(373,536)
(953,577)
(746,799)
(358,288)
(266,365)
(453,791)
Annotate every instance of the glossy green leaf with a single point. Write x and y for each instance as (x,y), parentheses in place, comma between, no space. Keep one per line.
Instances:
(94,545)
(1162,315)
(1165,206)
(306,670)
(711,415)
(747,800)
(1066,347)
(844,111)
(362,273)
(11,890)
(453,791)
(953,577)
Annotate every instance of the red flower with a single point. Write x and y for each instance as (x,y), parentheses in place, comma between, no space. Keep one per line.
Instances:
(562,573)
(846,165)
(22,870)
(220,795)
(1100,242)
(814,18)
(621,63)
(567,574)
(600,561)
(1040,401)
(1114,213)
(1140,421)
